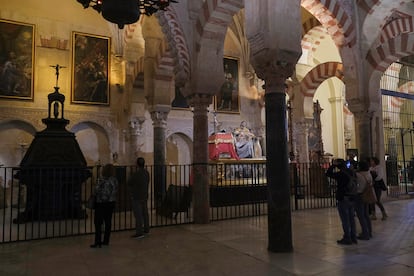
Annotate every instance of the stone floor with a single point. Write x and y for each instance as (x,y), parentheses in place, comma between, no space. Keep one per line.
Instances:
(232,247)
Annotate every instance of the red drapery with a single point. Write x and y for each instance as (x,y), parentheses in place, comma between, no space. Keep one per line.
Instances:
(221,144)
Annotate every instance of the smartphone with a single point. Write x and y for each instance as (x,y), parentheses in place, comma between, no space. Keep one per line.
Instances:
(348,164)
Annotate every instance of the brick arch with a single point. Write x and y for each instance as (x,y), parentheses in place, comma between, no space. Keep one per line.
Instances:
(407,88)
(313,44)
(210,30)
(373,14)
(319,74)
(334,18)
(174,33)
(381,57)
(396,27)
(215,16)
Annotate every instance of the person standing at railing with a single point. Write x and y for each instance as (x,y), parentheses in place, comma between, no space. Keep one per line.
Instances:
(138,185)
(105,195)
(365,182)
(345,201)
(379,186)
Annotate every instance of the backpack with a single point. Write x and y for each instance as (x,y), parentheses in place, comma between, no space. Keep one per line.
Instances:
(352,185)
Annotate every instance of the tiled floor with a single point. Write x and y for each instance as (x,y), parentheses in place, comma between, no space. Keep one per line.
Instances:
(233,247)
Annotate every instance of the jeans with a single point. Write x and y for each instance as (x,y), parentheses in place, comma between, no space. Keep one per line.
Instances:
(346,210)
(362,211)
(140,209)
(378,193)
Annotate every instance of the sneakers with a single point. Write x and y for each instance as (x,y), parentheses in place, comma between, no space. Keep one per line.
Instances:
(138,236)
(344,241)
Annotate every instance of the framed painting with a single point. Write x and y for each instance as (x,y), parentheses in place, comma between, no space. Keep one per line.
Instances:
(227,99)
(90,69)
(16,59)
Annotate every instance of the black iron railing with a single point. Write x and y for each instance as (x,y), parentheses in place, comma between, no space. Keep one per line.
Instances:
(237,189)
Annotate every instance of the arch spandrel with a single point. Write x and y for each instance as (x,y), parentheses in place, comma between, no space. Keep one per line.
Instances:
(376,15)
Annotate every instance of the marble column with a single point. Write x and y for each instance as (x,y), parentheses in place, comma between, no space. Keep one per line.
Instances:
(136,133)
(277,165)
(200,176)
(363,128)
(159,114)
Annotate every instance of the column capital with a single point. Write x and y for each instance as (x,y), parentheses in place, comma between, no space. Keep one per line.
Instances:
(363,116)
(159,115)
(361,104)
(275,75)
(199,101)
(136,125)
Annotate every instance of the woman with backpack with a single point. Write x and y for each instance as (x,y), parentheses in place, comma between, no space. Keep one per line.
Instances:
(365,184)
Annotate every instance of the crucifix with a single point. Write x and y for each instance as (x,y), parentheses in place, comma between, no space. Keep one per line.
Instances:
(57,67)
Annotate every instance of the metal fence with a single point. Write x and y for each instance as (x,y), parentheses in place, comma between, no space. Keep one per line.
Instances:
(50,207)
(398,121)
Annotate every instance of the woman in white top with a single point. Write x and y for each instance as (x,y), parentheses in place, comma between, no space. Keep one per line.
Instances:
(378,176)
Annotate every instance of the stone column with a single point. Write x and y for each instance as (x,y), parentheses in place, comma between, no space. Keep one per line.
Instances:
(159,114)
(338,124)
(277,165)
(363,129)
(302,134)
(200,176)
(136,133)
(273,30)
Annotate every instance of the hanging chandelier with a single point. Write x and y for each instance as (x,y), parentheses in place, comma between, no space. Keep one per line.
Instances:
(123,12)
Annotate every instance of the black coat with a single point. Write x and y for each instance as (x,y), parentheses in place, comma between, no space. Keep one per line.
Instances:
(342,177)
(138,184)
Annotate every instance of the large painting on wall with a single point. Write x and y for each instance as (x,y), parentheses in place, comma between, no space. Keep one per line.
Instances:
(16,59)
(90,69)
(227,99)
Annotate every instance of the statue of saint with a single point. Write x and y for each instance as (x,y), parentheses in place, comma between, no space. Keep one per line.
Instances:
(244,141)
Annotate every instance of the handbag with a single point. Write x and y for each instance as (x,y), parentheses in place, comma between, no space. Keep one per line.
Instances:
(90,204)
(382,185)
(368,195)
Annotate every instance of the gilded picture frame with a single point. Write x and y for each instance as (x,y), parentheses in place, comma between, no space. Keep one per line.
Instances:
(90,69)
(227,99)
(17,48)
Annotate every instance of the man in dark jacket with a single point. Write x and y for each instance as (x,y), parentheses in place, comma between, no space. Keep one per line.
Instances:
(345,202)
(138,185)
